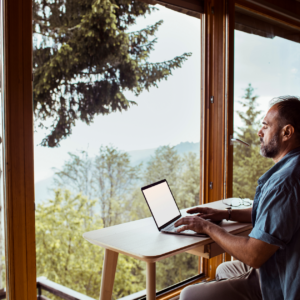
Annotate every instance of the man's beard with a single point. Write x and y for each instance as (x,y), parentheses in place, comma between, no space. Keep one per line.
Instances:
(272,148)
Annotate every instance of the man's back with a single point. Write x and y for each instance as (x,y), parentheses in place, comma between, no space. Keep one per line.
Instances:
(276,220)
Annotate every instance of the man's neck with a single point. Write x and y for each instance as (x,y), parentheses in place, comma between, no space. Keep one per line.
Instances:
(284,152)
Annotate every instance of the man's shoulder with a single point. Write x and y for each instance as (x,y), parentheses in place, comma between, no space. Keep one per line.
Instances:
(290,170)
(287,177)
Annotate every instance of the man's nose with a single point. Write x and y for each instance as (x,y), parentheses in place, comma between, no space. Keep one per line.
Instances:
(260,134)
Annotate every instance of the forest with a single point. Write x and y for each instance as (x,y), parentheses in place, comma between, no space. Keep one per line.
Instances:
(102,191)
(98,192)
(84,59)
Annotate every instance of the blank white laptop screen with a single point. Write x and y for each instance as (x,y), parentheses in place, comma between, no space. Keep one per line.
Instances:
(161,203)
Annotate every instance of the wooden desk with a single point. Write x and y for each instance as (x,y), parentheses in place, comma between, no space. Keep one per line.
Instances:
(142,240)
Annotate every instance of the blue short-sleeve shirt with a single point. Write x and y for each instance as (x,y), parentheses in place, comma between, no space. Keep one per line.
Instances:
(276,221)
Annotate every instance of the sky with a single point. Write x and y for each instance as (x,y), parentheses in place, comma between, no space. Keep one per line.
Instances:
(272,66)
(170,114)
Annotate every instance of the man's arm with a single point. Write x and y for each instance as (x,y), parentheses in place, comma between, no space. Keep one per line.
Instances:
(250,251)
(239,215)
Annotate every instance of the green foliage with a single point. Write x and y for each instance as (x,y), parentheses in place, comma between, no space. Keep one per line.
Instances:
(85,58)
(248,164)
(115,179)
(64,257)
(175,269)
(137,207)
(165,164)
(183,176)
(246,172)
(108,178)
(189,181)
(76,174)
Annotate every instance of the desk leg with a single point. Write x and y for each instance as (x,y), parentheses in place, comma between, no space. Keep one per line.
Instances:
(151,281)
(108,274)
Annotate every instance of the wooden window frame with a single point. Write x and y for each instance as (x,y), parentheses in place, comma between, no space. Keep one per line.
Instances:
(217,119)
(216,122)
(18,151)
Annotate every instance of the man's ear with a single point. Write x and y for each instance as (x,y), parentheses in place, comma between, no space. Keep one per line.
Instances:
(288,132)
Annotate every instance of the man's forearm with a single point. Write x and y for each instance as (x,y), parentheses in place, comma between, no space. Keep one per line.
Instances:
(251,251)
(241,215)
(237,246)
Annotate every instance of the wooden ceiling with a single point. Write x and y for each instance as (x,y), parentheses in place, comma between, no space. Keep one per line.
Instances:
(193,8)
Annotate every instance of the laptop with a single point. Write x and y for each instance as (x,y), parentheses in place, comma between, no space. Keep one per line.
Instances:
(164,208)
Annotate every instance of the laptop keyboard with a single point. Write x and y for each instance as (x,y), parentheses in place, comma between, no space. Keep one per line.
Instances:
(172,228)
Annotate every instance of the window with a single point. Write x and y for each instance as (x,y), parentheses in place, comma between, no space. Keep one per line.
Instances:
(117,106)
(267,65)
(19,200)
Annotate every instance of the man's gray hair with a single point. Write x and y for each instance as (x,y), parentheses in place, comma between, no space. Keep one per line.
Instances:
(289,112)
(282,99)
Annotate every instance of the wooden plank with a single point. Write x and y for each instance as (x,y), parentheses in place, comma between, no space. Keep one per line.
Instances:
(193,5)
(215,117)
(151,281)
(108,274)
(203,251)
(229,115)
(271,12)
(202,111)
(287,8)
(18,143)
(214,87)
(193,8)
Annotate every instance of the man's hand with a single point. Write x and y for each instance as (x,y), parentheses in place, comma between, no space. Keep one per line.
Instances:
(209,213)
(194,223)
(239,215)
(251,251)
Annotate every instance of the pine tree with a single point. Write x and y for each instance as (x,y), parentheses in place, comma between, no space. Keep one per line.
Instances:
(182,174)
(108,178)
(251,121)
(165,164)
(77,174)
(115,180)
(189,181)
(85,58)
(248,164)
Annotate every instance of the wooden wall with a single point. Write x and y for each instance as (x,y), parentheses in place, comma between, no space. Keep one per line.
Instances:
(18,142)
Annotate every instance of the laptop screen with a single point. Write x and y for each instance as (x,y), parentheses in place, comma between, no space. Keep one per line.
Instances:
(161,202)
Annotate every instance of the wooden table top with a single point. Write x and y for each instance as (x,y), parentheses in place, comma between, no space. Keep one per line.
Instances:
(142,240)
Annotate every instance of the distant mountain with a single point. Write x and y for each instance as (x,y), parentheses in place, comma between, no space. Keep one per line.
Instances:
(139,156)
(43,190)
(186,147)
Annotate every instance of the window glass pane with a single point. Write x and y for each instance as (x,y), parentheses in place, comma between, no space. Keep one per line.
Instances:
(117,106)
(267,65)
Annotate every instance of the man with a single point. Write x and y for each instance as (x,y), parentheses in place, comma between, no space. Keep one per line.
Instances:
(273,245)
